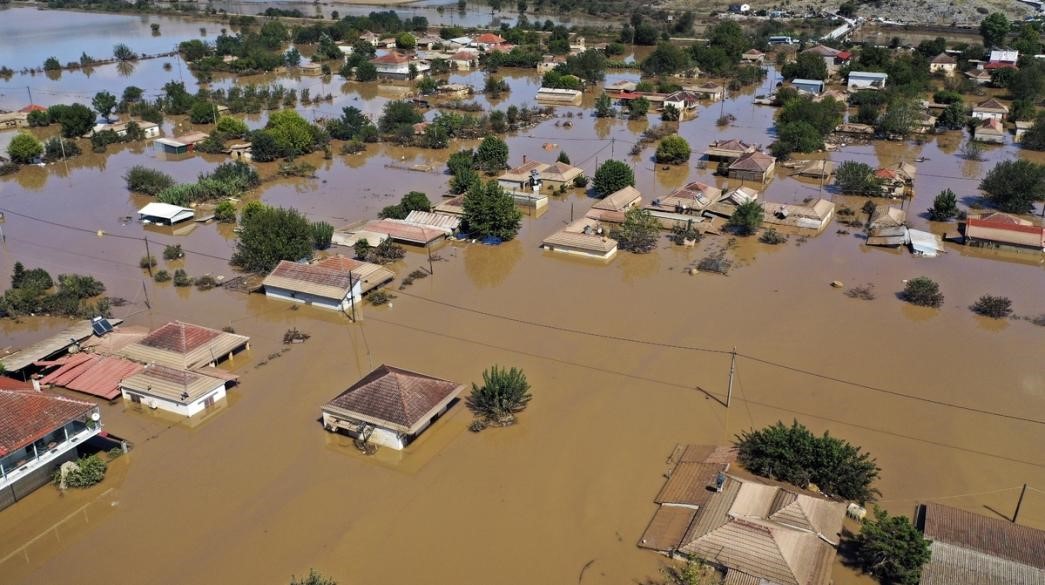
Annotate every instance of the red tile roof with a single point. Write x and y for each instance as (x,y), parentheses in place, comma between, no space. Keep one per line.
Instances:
(27,415)
(33,108)
(92,374)
(392,58)
(396,397)
(1001,224)
(489,39)
(992,536)
(341,263)
(179,337)
(7,383)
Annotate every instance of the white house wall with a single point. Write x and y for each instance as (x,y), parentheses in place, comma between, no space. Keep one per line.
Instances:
(316,301)
(191,409)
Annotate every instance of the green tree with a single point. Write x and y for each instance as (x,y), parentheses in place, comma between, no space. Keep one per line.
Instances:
(797,456)
(673,150)
(953,117)
(994,29)
(666,59)
(148,181)
(52,64)
(124,53)
(397,114)
(24,148)
(104,103)
(993,307)
(75,119)
(796,137)
(900,117)
(322,234)
(406,40)
(670,113)
(202,112)
(806,66)
(412,201)
(890,548)
(366,71)
(1015,185)
(490,211)
(824,115)
(271,234)
(604,107)
(747,218)
(231,126)
(1034,139)
(922,291)
(857,177)
(638,108)
(612,176)
(492,155)
(945,206)
(638,233)
(292,57)
(589,65)
(504,394)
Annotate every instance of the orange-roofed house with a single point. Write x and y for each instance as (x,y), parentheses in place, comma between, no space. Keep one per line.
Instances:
(396,65)
(488,41)
(39,432)
(1002,230)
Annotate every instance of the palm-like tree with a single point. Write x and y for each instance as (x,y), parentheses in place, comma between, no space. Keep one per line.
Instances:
(504,393)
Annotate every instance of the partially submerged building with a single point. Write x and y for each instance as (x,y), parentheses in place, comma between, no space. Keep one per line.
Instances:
(39,432)
(390,406)
(753,166)
(584,237)
(1002,230)
(690,199)
(165,213)
(814,215)
(756,531)
(178,391)
(728,150)
(90,373)
(185,346)
(990,108)
(990,130)
(970,549)
(566,97)
(613,207)
(333,283)
(859,80)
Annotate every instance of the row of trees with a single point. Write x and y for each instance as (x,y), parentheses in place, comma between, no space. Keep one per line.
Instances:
(33,291)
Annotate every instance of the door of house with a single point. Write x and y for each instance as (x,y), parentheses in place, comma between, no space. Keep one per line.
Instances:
(208,401)
(136,399)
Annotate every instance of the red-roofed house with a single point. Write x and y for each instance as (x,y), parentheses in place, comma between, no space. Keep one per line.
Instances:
(39,432)
(33,108)
(185,346)
(390,406)
(397,65)
(488,41)
(1005,231)
(833,58)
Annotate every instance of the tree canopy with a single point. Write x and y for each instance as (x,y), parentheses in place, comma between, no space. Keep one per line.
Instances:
(271,234)
(994,29)
(673,150)
(806,66)
(24,148)
(492,155)
(797,456)
(747,218)
(857,177)
(638,233)
(890,548)
(490,211)
(612,176)
(1015,185)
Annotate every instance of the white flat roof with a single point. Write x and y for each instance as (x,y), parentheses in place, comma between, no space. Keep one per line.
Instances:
(171,213)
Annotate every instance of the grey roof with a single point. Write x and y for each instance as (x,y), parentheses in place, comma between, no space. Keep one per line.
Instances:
(992,536)
(954,565)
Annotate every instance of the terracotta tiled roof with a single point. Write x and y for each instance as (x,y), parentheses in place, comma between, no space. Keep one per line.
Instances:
(489,39)
(179,337)
(991,105)
(823,51)
(393,58)
(33,108)
(321,281)
(754,161)
(8,383)
(27,415)
(992,536)
(944,59)
(396,398)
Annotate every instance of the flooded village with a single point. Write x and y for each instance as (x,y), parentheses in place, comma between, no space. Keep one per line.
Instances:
(445,292)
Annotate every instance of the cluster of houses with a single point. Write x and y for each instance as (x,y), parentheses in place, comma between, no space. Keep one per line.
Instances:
(685,100)
(762,532)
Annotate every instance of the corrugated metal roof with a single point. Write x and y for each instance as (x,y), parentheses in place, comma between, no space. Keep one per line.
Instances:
(50,346)
(440,221)
(405,232)
(954,565)
(666,529)
(988,535)
(92,374)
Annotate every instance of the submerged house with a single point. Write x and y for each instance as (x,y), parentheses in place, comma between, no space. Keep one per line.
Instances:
(757,532)
(164,213)
(970,549)
(179,391)
(332,283)
(390,406)
(613,207)
(690,199)
(1002,230)
(728,150)
(990,108)
(814,215)
(566,97)
(396,65)
(39,432)
(182,144)
(185,346)
(683,101)
(584,237)
(753,166)
(990,130)
(728,205)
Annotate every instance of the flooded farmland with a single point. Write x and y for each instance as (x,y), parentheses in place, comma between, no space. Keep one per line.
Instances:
(616,355)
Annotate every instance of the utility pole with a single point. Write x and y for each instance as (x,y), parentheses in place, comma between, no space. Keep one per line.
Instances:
(732,370)
(1019,503)
(27,90)
(352,296)
(146,291)
(148,257)
(430,269)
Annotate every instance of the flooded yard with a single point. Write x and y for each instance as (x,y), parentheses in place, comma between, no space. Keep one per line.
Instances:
(626,360)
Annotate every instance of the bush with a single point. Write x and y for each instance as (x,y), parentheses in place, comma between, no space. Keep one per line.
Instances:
(580,181)
(857,177)
(161,276)
(322,234)
(797,456)
(24,148)
(206,282)
(772,237)
(923,292)
(148,181)
(612,176)
(384,253)
(57,148)
(173,252)
(225,212)
(890,548)
(181,278)
(747,218)
(233,127)
(504,394)
(89,471)
(673,150)
(993,307)
(147,262)
(313,578)
(638,233)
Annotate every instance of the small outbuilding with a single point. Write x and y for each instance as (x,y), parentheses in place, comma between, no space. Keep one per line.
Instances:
(614,206)
(165,213)
(566,97)
(728,150)
(866,80)
(390,406)
(813,86)
(584,237)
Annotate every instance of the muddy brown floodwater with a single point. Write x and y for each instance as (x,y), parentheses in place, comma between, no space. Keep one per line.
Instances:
(258,491)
